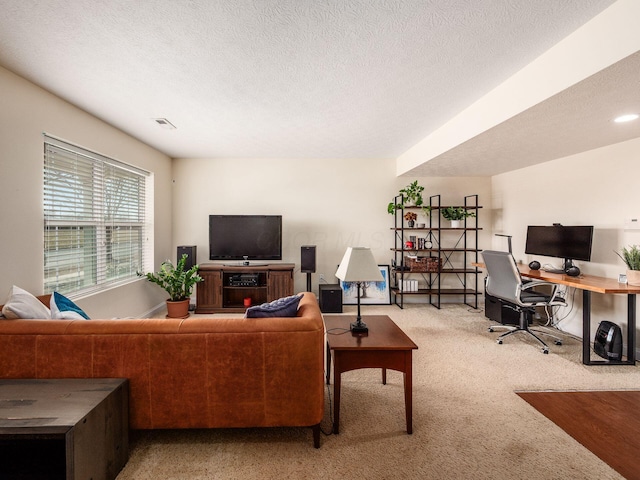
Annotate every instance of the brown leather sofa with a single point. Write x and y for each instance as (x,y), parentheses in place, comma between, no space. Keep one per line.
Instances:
(186,373)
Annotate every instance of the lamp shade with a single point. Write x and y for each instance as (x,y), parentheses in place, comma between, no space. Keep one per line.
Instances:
(358,265)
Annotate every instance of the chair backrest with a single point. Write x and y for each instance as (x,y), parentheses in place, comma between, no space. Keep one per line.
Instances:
(503,277)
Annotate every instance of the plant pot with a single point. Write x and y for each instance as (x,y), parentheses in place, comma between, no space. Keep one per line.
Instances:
(179,309)
(411,223)
(633,277)
(456,223)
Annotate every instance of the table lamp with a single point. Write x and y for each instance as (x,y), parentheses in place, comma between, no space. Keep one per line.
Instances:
(358,266)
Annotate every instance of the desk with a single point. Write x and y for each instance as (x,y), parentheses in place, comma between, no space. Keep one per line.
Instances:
(386,346)
(588,284)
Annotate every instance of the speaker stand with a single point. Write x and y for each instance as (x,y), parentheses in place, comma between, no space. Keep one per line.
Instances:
(308,281)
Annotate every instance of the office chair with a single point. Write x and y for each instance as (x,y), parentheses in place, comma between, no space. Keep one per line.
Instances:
(504,282)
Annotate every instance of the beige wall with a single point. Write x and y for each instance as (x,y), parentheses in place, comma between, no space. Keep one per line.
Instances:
(26,111)
(328,203)
(597,188)
(332,204)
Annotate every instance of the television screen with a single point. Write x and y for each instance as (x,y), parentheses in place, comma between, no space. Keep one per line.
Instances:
(234,237)
(571,242)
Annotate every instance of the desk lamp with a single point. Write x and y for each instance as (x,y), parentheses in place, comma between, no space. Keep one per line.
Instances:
(358,266)
(508,239)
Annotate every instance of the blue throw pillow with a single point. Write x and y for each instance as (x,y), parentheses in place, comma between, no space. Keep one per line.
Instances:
(63,308)
(282,307)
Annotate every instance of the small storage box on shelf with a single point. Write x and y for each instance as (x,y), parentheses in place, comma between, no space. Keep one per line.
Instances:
(423,264)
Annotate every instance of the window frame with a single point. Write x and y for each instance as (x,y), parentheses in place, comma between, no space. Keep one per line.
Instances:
(82,201)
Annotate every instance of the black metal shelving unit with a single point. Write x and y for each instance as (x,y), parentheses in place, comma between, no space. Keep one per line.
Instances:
(456,248)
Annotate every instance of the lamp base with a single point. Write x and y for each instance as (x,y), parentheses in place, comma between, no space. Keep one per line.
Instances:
(359,328)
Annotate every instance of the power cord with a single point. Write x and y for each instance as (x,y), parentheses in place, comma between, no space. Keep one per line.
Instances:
(330,432)
(573,295)
(550,314)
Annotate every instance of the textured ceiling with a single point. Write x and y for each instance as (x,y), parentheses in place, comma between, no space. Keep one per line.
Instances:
(285,78)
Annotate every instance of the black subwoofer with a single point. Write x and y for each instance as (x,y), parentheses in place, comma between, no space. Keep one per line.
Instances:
(330,298)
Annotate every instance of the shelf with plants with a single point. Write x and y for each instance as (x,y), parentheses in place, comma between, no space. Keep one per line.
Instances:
(448,250)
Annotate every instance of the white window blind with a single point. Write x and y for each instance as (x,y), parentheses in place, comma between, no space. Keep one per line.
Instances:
(95,220)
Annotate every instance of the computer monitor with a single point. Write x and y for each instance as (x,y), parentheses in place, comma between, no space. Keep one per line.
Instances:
(567,242)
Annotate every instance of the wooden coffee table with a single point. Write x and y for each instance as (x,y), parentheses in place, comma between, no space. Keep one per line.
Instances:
(64,428)
(385,346)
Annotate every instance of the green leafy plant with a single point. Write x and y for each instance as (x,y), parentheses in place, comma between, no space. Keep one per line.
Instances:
(631,256)
(177,282)
(412,194)
(456,213)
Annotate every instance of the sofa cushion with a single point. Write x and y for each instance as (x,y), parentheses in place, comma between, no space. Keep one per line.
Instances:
(64,308)
(282,307)
(21,304)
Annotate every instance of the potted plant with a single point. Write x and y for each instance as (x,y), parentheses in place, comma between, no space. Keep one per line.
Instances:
(631,256)
(410,217)
(456,215)
(412,196)
(178,283)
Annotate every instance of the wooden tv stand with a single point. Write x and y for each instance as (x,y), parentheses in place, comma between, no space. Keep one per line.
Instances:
(226,286)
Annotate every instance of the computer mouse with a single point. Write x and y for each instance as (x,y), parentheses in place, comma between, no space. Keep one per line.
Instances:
(535,265)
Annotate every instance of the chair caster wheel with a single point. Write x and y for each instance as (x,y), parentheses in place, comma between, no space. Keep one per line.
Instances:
(558,342)
(490,329)
(499,342)
(545,351)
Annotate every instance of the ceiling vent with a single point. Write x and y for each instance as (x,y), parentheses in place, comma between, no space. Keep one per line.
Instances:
(164,123)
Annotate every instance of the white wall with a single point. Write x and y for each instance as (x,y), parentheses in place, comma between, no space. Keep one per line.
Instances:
(330,203)
(599,188)
(26,111)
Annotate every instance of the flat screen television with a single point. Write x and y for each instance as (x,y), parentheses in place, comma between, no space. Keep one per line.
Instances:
(245,237)
(566,242)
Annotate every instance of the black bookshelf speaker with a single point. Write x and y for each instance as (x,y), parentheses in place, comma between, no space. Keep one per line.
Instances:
(573,271)
(608,341)
(191,251)
(308,259)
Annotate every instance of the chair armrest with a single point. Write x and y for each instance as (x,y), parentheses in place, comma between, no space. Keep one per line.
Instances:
(540,283)
(553,297)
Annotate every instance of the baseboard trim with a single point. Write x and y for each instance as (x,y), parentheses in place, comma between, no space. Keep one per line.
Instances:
(154,311)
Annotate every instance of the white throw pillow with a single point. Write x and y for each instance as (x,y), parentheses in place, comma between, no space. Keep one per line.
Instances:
(21,304)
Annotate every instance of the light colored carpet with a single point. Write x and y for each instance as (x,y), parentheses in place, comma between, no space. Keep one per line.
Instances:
(467,421)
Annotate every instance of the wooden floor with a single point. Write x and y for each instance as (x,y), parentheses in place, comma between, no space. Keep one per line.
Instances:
(607,423)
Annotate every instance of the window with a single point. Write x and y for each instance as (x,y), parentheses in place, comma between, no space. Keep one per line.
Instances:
(96,231)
